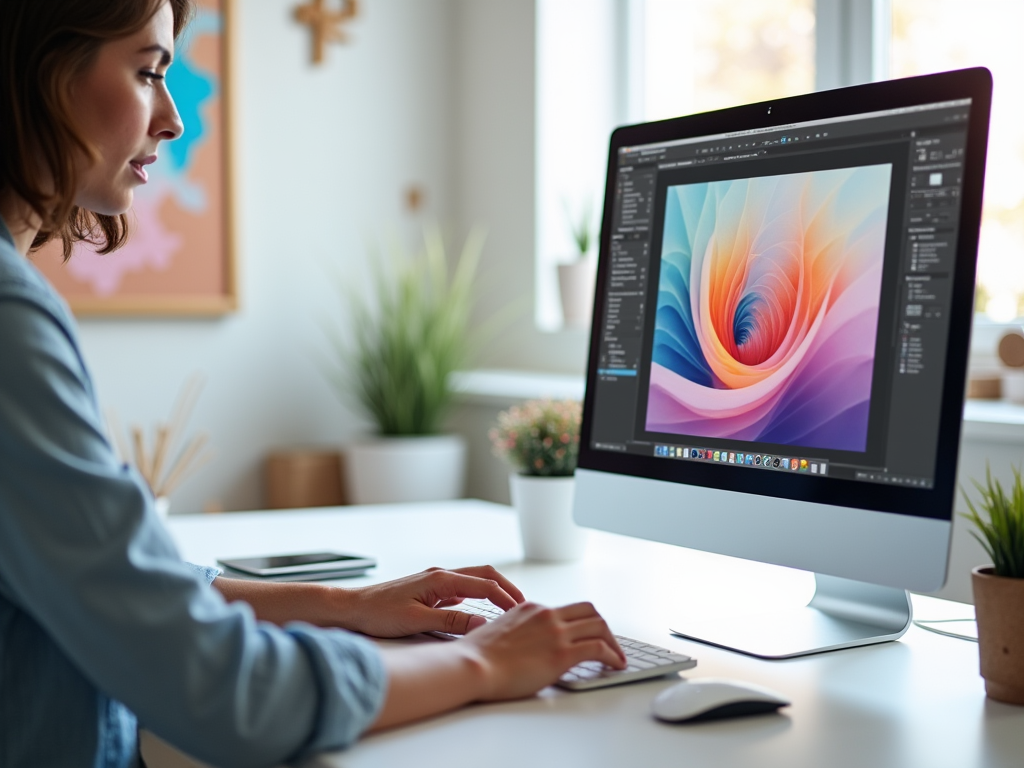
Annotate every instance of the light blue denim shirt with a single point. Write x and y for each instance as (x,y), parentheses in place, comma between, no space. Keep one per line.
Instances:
(101,622)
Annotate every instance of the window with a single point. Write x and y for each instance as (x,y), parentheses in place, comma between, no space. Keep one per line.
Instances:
(936,35)
(601,63)
(700,55)
(577,109)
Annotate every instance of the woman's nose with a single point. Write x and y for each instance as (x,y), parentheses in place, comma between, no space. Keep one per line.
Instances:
(167,122)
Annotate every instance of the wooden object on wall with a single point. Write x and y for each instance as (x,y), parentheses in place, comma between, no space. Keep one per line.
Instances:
(414,198)
(180,255)
(303,478)
(1011,349)
(326,24)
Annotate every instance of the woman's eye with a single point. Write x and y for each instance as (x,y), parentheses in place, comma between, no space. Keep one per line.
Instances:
(151,75)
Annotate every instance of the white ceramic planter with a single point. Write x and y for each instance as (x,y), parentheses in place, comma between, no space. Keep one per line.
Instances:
(544,505)
(1013,386)
(385,470)
(576,286)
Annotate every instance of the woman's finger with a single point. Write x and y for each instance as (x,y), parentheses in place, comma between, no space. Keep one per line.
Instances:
(576,611)
(490,572)
(593,628)
(447,603)
(596,650)
(453,622)
(458,586)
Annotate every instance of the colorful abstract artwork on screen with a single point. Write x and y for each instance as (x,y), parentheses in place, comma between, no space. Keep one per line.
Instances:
(767,310)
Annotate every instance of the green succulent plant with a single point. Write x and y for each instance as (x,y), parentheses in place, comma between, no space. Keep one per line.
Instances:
(1001,531)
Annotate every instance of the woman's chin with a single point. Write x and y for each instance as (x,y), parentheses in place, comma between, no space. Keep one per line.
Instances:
(110,203)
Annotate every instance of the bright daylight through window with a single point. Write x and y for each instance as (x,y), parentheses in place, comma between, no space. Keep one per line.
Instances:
(935,35)
(602,63)
(711,54)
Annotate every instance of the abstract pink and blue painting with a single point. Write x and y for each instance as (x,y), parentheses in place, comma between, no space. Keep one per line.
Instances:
(767,310)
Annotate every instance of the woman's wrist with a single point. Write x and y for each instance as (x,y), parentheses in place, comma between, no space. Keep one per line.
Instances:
(476,669)
(426,680)
(328,606)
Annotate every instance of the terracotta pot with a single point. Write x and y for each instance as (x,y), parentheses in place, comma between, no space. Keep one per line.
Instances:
(999,608)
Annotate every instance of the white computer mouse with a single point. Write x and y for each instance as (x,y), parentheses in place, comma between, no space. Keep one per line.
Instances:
(711,698)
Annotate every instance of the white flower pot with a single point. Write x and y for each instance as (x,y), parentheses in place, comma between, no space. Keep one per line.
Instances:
(544,505)
(385,470)
(1013,386)
(162,505)
(576,286)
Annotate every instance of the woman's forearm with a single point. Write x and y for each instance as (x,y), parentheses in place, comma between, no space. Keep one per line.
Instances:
(280,603)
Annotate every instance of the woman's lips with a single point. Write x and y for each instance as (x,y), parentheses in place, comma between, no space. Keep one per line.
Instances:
(139,171)
(137,166)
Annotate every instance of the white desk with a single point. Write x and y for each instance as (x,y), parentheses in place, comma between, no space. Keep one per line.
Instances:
(916,702)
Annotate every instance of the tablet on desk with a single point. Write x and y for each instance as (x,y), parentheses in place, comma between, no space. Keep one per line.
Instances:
(305,566)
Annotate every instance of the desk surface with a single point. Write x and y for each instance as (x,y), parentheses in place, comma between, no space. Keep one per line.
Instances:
(915,702)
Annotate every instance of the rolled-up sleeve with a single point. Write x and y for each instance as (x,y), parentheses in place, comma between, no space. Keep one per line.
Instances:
(206,572)
(82,551)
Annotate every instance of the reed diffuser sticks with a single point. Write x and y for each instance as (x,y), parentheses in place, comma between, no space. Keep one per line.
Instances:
(164,468)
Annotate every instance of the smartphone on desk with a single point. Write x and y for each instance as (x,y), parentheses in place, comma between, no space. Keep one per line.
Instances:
(303,566)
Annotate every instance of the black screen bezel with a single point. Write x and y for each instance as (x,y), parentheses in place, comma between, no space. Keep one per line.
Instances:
(935,502)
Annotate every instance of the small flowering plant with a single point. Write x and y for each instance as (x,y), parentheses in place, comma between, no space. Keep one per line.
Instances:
(540,437)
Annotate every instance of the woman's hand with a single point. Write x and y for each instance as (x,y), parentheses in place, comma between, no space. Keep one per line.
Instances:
(392,609)
(532,646)
(416,603)
(512,657)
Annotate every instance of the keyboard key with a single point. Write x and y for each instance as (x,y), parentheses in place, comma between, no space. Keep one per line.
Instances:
(640,664)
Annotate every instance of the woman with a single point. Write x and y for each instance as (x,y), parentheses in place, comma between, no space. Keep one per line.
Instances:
(101,623)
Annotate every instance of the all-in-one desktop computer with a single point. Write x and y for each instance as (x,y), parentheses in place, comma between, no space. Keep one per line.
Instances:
(780,343)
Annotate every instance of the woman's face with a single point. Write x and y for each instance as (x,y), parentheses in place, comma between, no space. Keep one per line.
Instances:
(124,112)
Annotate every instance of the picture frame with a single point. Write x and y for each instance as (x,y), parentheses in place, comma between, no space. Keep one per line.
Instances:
(180,258)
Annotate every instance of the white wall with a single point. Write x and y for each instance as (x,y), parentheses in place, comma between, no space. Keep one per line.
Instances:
(494,178)
(324,156)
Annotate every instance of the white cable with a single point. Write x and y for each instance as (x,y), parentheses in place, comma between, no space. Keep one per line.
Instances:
(927,624)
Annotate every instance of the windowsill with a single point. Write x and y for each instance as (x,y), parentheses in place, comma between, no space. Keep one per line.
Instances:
(995,420)
(999,421)
(504,387)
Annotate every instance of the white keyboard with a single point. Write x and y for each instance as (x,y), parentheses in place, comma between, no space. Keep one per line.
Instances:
(643,659)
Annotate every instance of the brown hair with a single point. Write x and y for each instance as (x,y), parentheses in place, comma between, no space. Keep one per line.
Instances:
(44,46)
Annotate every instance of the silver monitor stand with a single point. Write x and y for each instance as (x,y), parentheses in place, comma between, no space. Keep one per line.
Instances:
(842,614)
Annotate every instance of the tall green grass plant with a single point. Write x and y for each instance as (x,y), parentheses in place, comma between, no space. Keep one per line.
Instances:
(411,333)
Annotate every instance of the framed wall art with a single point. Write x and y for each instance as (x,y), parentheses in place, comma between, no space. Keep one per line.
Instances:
(180,257)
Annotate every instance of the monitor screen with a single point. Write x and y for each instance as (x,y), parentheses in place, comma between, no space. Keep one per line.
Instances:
(784,301)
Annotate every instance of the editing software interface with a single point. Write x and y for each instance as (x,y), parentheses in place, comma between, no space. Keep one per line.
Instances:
(779,299)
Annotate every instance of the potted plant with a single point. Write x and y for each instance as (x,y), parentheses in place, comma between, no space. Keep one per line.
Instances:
(576,278)
(540,439)
(411,333)
(999,588)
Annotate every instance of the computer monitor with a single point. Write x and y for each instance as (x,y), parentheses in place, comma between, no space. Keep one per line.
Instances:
(780,343)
